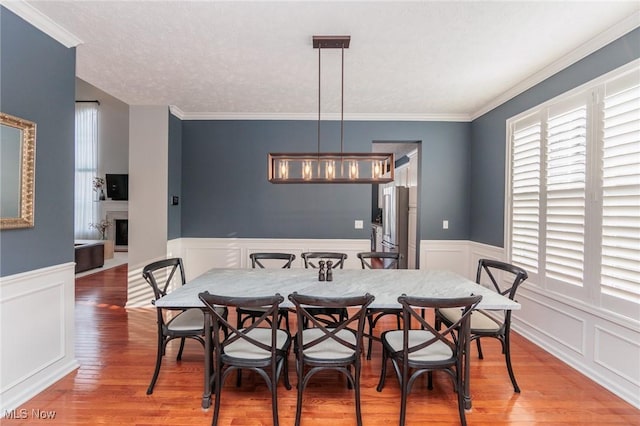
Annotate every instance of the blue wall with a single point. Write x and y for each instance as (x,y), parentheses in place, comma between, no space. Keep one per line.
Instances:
(488,134)
(225,192)
(174,214)
(37,82)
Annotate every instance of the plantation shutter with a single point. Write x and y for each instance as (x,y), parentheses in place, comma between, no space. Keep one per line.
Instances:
(565,194)
(525,174)
(620,263)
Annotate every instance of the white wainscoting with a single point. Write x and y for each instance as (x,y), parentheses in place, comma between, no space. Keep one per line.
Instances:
(601,345)
(37,332)
(201,254)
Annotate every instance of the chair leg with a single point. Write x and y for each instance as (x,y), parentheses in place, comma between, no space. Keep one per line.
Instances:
(383,371)
(300,369)
(349,385)
(507,355)
(460,391)
(274,394)
(285,372)
(218,390)
(179,358)
(430,380)
(160,353)
(357,392)
(479,349)
(404,390)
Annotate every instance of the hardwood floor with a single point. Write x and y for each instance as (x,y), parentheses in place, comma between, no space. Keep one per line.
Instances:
(116,351)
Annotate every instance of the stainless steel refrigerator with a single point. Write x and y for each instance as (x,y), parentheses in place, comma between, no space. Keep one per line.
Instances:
(395,221)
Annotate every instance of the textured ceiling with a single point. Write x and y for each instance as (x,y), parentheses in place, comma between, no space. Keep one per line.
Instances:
(255,59)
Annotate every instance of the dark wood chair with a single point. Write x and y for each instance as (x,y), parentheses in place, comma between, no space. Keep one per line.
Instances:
(311,258)
(312,261)
(414,352)
(183,324)
(505,279)
(262,260)
(379,260)
(338,347)
(262,347)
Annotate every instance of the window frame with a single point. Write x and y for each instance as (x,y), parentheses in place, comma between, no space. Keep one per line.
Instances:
(591,290)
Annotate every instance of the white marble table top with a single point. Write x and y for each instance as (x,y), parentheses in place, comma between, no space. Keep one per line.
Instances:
(385,284)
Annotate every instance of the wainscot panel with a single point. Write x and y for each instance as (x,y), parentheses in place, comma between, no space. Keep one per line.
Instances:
(36,350)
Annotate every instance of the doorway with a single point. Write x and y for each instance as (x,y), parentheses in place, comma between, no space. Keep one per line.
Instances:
(407,173)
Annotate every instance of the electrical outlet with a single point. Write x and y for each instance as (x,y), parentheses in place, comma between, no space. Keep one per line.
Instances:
(445,224)
(359,224)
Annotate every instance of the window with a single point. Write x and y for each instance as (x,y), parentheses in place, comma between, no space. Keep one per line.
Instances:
(574,192)
(86,147)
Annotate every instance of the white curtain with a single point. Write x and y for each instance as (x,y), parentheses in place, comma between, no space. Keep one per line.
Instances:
(86,205)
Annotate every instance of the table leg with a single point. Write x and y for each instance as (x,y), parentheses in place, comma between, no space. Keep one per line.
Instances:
(206,396)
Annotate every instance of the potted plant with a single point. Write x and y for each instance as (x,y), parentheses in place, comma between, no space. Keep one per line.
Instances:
(98,186)
(101,227)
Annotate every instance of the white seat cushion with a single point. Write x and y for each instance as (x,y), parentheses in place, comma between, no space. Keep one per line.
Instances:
(480,321)
(191,319)
(438,351)
(244,349)
(329,348)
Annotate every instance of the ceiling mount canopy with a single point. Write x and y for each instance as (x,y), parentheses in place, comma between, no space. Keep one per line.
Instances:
(331,167)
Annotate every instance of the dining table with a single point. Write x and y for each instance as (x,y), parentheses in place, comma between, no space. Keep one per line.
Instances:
(385,284)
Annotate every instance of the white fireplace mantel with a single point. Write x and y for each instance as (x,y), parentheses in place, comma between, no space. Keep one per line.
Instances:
(112,211)
(113,206)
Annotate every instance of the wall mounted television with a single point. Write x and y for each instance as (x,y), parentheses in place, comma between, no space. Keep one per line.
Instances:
(118,186)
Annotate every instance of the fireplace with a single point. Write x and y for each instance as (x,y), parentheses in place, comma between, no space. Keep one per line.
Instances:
(119,231)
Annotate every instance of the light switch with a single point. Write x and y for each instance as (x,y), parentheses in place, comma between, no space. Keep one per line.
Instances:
(359,224)
(445,224)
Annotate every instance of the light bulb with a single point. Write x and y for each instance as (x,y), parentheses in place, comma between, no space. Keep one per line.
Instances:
(284,169)
(330,170)
(306,170)
(376,169)
(353,170)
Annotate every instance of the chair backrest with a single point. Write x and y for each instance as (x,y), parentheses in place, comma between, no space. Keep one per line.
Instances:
(337,258)
(160,275)
(230,333)
(409,312)
(495,271)
(304,309)
(379,260)
(258,259)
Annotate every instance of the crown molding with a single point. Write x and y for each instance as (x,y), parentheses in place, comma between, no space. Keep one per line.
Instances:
(41,22)
(314,116)
(177,112)
(623,27)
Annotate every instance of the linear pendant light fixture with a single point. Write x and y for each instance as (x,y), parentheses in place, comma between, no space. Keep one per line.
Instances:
(331,167)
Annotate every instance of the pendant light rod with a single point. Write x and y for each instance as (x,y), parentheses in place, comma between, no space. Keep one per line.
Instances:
(319,92)
(342,104)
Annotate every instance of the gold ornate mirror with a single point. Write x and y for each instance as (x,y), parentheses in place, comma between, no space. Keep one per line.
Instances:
(17,168)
